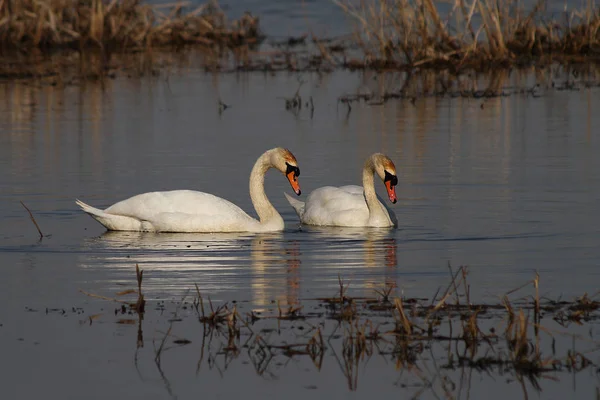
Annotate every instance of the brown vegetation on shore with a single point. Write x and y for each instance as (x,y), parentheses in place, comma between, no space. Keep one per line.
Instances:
(94,39)
(473,33)
(41,38)
(29,25)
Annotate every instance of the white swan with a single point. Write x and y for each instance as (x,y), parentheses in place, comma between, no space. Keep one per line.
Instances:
(192,211)
(352,205)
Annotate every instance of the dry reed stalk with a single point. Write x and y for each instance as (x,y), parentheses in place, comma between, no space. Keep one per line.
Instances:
(536,285)
(33,220)
(103,297)
(316,348)
(200,301)
(385,292)
(406,324)
(471,332)
(140,304)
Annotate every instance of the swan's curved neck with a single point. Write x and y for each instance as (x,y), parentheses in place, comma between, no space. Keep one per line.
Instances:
(375,207)
(265,210)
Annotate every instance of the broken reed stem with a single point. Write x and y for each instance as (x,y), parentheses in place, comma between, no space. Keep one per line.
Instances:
(403,318)
(33,219)
(466,286)
(162,344)
(438,305)
(200,300)
(536,284)
(103,297)
(519,287)
(453,283)
(140,305)
(164,339)
(212,310)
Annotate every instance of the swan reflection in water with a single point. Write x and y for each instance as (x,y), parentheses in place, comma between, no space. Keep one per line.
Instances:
(264,269)
(259,268)
(359,255)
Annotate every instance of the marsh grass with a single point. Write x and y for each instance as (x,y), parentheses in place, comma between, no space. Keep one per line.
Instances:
(29,25)
(510,337)
(99,39)
(459,34)
(40,38)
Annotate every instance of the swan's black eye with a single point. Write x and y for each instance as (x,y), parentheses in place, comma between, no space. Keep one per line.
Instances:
(392,178)
(292,168)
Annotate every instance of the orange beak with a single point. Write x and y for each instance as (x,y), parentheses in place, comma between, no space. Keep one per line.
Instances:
(294,182)
(391,191)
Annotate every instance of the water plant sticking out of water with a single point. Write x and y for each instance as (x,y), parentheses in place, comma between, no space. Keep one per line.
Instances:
(425,339)
(33,220)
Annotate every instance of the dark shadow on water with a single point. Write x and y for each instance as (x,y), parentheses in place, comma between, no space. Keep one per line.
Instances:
(481,238)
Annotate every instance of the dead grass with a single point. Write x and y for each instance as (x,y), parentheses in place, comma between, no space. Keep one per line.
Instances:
(29,25)
(87,38)
(472,34)
(96,39)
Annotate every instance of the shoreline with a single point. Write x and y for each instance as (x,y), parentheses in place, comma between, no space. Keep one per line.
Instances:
(97,39)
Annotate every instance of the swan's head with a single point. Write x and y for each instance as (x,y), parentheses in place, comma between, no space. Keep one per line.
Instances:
(386,170)
(284,160)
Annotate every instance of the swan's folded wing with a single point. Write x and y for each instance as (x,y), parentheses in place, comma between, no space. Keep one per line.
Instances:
(184,222)
(336,199)
(336,206)
(352,189)
(147,206)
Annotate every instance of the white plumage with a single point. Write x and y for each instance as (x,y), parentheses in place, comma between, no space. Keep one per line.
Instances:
(193,211)
(351,206)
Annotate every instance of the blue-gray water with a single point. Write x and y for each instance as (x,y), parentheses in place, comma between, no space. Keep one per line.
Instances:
(507,186)
(507,189)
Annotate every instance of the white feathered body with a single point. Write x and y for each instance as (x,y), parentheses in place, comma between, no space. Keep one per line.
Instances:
(177,211)
(341,206)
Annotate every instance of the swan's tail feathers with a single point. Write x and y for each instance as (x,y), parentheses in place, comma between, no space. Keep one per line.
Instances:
(112,222)
(297,204)
(89,209)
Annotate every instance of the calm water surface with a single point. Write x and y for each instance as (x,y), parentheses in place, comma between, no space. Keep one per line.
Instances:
(507,188)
